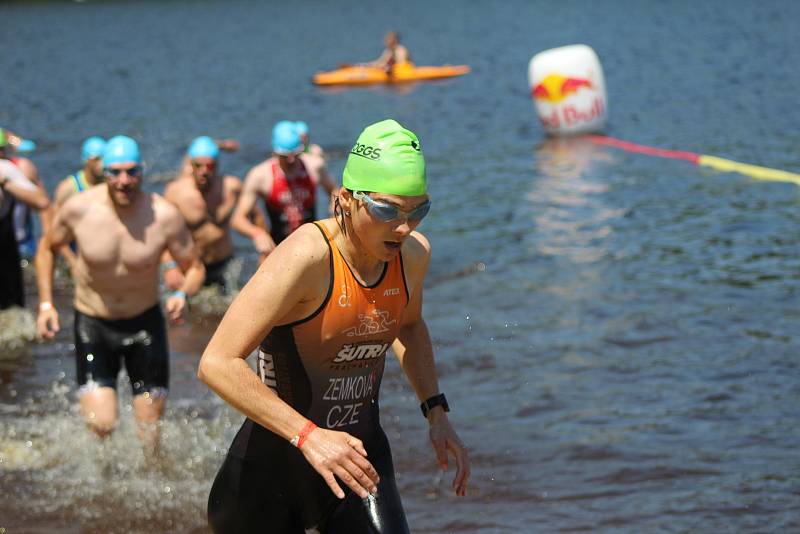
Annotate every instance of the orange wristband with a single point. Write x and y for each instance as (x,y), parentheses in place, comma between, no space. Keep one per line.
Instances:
(298,440)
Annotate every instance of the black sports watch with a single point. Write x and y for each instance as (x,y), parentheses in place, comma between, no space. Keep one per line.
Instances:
(436,400)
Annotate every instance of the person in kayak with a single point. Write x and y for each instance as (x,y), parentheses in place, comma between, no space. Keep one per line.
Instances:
(323,309)
(394,54)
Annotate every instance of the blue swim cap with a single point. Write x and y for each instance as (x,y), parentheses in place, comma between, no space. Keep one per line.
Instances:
(26,145)
(121,149)
(93,147)
(302,128)
(203,147)
(286,138)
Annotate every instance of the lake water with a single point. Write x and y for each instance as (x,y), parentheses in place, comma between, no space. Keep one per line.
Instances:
(617,334)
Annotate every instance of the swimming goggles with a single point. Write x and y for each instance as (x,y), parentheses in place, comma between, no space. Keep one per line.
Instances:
(133,172)
(386,212)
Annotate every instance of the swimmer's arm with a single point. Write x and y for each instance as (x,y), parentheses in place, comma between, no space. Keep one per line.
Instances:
(57,235)
(171,193)
(382,60)
(255,229)
(288,276)
(248,199)
(32,173)
(20,187)
(64,190)
(414,351)
(255,216)
(180,247)
(278,286)
(413,347)
(173,276)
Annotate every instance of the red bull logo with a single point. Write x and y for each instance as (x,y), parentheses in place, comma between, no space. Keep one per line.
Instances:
(554,90)
(555,87)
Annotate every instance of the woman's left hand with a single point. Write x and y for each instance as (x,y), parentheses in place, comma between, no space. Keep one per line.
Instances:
(444,439)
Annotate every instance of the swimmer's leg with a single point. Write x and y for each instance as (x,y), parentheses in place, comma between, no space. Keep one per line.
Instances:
(99,408)
(380,513)
(148,407)
(250,497)
(147,363)
(97,365)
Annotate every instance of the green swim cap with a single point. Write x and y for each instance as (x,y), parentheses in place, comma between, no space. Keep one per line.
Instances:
(3,137)
(386,158)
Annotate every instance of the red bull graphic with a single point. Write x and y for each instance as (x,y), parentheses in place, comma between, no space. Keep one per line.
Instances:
(555,87)
(568,89)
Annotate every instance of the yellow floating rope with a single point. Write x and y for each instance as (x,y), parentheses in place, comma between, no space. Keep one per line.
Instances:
(754,171)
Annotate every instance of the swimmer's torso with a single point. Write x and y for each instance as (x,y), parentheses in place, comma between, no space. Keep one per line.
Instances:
(207,216)
(290,198)
(329,366)
(116,276)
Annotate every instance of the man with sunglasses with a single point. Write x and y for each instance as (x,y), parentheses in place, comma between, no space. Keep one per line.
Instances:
(121,232)
(322,310)
(206,199)
(287,182)
(91,174)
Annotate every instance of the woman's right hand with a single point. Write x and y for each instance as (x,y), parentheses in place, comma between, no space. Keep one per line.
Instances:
(340,454)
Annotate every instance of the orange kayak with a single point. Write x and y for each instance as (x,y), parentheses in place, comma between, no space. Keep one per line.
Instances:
(406,72)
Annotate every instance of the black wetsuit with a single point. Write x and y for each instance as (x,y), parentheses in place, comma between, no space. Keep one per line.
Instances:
(11,285)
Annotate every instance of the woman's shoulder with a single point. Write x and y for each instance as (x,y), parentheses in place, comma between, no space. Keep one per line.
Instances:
(307,245)
(416,254)
(417,246)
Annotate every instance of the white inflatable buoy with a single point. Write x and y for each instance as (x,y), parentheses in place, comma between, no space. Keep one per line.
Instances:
(569,90)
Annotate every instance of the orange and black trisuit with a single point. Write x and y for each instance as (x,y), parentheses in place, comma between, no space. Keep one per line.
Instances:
(328,367)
